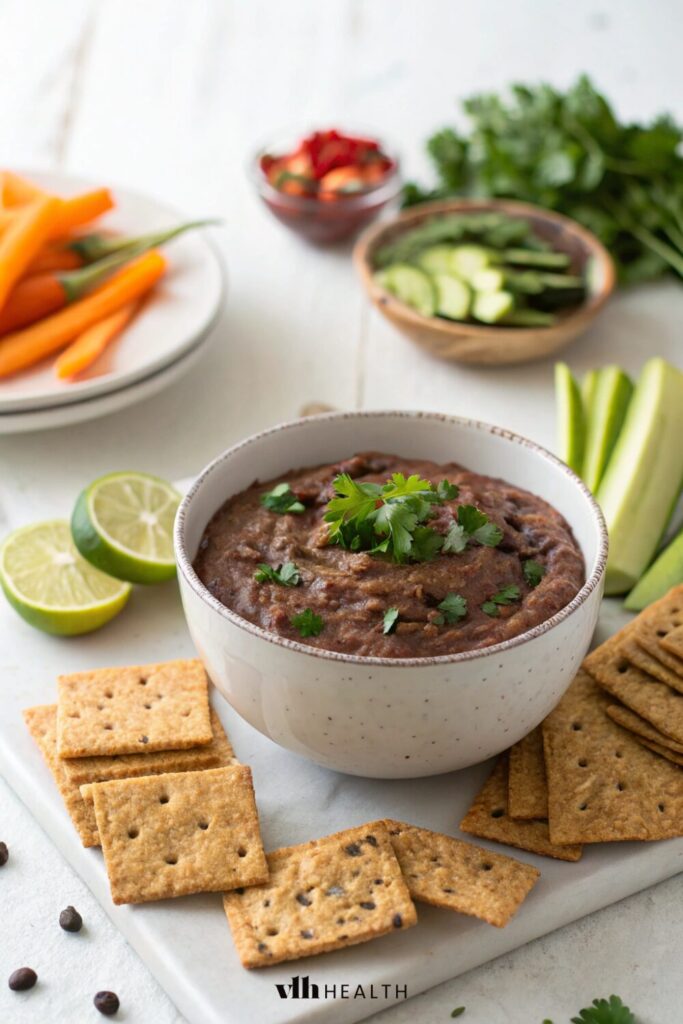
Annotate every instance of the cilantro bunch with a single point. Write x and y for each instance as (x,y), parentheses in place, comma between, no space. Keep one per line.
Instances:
(391,518)
(569,151)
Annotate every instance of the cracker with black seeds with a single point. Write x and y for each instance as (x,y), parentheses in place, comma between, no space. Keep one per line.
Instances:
(322,895)
(488,818)
(643,660)
(455,875)
(133,709)
(654,701)
(41,722)
(527,786)
(179,833)
(627,719)
(217,753)
(603,785)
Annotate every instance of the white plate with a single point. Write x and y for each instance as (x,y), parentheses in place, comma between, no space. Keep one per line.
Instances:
(91,408)
(180,311)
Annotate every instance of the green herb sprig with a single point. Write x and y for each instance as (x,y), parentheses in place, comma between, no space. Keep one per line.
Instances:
(288,574)
(508,595)
(308,623)
(533,572)
(452,609)
(282,500)
(605,1011)
(389,621)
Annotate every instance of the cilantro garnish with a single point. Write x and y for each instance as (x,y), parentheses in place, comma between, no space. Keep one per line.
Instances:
(458,1011)
(533,572)
(390,620)
(452,608)
(508,595)
(308,623)
(390,518)
(288,574)
(282,499)
(605,1011)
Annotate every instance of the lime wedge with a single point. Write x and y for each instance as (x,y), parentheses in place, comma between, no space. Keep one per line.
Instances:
(571,420)
(51,586)
(123,524)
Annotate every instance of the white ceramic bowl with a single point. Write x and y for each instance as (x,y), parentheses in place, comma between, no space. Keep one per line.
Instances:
(382,717)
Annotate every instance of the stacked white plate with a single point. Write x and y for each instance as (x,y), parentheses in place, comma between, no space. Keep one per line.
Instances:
(165,339)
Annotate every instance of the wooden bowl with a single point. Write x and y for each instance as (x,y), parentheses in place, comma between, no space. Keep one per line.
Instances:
(480,343)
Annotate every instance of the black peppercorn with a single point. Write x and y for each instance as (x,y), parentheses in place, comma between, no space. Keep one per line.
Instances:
(106,1002)
(70,920)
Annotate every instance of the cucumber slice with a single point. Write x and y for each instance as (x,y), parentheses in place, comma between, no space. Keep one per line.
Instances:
(437,259)
(468,259)
(411,286)
(542,260)
(529,318)
(665,572)
(488,280)
(492,307)
(571,421)
(453,297)
(643,479)
(613,392)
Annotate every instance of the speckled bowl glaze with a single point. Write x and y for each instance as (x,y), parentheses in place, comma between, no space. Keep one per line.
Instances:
(382,717)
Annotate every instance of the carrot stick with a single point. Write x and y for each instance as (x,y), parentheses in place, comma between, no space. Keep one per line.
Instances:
(89,345)
(35,297)
(24,348)
(81,209)
(30,300)
(55,257)
(22,238)
(17,190)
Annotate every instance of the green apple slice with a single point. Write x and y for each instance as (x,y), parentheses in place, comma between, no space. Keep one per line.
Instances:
(643,479)
(613,390)
(571,419)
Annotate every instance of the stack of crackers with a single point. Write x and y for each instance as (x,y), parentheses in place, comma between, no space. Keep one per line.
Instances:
(147,772)
(605,765)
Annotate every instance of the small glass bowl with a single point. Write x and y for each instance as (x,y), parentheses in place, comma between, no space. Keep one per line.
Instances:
(321,221)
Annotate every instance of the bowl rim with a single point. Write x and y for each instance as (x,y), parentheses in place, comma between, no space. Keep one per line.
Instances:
(583,313)
(191,578)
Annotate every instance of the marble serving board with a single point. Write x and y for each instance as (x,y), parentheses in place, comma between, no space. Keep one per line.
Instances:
(186,943)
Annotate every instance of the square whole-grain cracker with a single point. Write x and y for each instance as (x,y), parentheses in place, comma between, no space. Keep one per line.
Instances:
(652,666)
(180,833)
(666,752)
(322,895)
(654,701)
(603,785)
(527,787)
(673,640)
(488,818)
(41,722)
(628,719)
(655,626)
(455,875)
(215,754)
(133,709)
(650,643)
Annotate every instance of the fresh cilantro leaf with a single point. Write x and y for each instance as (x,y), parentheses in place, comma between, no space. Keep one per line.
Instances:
(399,522)
(458,1011)
(352,501)
(427,543)
(456,539)
(605,1011)
(471,518)
(390,620)
(533,572)
(288,574)
(508,595)
(400,487)
(489,535)
(308,623)
(453,608)
(447,491)
(282,499)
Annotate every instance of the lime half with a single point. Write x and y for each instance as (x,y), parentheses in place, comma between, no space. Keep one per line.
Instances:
(51,586)
(123,524)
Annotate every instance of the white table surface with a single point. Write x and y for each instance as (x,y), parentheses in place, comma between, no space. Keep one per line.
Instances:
(170,97)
